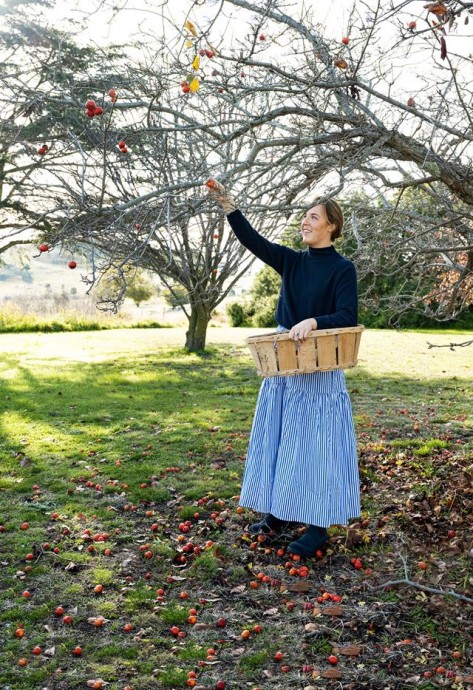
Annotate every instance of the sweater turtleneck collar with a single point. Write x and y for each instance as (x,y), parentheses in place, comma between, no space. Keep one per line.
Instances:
(322,251)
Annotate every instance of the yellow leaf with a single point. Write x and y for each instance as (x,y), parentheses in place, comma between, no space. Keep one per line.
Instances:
(189,44)
(191,27)
(194,85)
(196,62)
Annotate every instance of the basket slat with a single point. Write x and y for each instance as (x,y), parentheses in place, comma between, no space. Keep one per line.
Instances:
(326,352)
(267,357)
(256,359)
(357,347)
(308,355)
(287,355)
(346,349)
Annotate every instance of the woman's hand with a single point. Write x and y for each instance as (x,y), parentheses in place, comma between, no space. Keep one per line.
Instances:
(218,192)
(302,329)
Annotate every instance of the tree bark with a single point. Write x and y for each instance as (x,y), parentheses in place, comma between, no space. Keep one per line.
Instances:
(198,321)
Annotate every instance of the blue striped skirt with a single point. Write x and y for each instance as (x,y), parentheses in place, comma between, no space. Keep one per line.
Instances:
(302,462)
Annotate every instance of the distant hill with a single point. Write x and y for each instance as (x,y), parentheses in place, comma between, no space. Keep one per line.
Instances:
(26,271)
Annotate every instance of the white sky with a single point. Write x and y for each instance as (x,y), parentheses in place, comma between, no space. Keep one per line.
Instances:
(101,24)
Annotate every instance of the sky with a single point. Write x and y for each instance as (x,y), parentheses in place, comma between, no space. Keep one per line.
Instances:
(145,19)
(100,24)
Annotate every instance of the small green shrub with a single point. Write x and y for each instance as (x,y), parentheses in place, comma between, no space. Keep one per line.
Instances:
(238,314)
(264,316)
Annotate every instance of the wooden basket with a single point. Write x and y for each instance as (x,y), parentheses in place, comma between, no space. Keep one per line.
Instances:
(275,354)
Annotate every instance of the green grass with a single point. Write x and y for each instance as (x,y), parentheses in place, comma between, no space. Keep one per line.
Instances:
(174,614)
(172,677)
(15,321)
(109,426)
(249,663)
(205,566)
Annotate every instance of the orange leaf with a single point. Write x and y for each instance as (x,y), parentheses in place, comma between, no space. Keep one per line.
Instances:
(437,8)
(341,63)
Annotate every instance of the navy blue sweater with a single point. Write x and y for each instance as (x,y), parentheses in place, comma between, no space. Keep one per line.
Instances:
(316,283)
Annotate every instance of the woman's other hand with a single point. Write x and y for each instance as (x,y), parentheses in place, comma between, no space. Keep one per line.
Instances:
(302,329)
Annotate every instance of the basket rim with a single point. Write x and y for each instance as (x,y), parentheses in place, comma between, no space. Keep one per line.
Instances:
(277,335)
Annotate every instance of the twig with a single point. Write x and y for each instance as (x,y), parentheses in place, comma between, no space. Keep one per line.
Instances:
(424,588)
(452,345)
(410,583)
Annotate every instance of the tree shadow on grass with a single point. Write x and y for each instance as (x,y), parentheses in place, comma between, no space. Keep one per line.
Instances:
(171,400)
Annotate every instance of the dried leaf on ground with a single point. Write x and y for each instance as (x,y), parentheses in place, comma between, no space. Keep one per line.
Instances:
(349,650)
(332,673)
(298,587)
(332,611)
(271,612)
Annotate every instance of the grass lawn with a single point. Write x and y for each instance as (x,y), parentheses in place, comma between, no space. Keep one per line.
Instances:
(121,459)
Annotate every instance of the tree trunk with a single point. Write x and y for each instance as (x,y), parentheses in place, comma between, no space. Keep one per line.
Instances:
(198,321)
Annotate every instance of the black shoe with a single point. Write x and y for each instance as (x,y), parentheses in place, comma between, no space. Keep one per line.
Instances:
(268,524)
(314,538)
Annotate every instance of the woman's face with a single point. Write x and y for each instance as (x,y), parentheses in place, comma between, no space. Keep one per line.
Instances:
(315,228)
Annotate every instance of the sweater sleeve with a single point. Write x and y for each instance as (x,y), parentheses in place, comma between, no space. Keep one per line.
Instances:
(346,302)
(271,253)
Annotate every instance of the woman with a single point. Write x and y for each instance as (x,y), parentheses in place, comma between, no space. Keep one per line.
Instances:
(302,461)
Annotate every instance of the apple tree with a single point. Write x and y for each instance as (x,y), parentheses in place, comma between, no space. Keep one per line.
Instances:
(113,165)
(281,112)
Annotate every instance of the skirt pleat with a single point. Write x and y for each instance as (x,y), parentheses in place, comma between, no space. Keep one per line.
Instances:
(302,462)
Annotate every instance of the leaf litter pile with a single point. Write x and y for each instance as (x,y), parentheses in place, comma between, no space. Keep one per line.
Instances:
(175,593)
